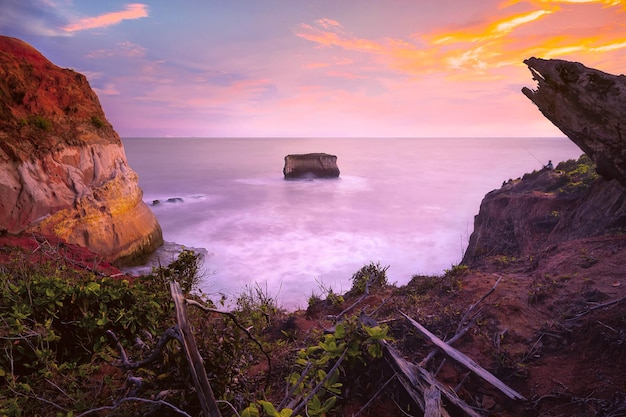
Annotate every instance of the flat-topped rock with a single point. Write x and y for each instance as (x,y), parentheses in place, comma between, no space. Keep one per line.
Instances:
(311,165)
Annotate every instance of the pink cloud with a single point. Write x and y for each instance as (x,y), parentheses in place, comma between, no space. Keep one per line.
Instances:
(132,11)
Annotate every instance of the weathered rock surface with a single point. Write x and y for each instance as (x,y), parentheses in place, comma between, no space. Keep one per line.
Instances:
(311,165)
(63,170)
(588,105)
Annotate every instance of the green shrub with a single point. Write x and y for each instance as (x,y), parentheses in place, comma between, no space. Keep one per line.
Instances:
(97,122)
(53,324)
(39,122)
(368,277)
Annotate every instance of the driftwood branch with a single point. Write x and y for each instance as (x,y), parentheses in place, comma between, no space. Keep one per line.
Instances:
(196,364)
(459,334)
(466,361)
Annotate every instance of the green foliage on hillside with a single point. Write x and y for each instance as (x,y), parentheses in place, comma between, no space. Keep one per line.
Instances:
(72,343)
(579,174)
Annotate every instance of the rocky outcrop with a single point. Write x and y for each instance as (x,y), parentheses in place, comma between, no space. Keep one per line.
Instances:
(63,170)
(588,105)
(528,215)
(310,165)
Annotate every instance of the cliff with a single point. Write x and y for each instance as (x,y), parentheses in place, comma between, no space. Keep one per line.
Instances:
(63,170)
(528,215)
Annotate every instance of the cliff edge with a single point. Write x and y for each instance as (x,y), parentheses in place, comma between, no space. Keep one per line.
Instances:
(63,169)
(579,199)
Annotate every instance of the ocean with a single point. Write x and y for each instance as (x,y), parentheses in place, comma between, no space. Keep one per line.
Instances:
(406,203)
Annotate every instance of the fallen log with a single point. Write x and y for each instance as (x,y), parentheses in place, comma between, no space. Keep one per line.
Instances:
(419,383)
(466,361)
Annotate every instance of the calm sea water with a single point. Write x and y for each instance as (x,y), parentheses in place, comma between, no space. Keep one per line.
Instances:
(404,203)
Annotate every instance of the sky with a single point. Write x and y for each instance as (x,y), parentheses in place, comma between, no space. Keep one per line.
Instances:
(326,68)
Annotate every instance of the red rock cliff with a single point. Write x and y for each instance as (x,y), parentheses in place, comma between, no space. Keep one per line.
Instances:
(63,169)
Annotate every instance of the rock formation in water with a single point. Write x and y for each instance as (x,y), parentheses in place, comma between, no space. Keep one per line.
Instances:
(588,105)
(310,165)
(63,170)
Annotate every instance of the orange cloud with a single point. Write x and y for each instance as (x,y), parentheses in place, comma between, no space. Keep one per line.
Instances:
(494,30)
(607,3)
(132,11)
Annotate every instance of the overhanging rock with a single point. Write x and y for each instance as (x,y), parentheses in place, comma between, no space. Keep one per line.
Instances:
(588,105)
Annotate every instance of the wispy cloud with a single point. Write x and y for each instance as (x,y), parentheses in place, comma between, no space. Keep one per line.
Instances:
(126,49)
(130,12)
(327,32)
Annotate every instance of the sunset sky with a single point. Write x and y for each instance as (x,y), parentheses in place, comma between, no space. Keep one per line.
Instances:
(319,68)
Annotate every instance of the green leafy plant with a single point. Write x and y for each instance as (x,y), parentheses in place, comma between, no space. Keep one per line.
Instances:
(370,276)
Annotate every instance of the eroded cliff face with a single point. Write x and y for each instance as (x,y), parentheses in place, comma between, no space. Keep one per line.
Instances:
(588,105)
(63,169)
(529,215)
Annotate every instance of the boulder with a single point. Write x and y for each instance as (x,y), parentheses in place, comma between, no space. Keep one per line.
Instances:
(588,105)
(310,165)
(63,169)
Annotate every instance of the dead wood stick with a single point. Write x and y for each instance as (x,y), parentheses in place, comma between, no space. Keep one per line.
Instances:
(196,364)
(608,304)
(416,379)
(376,394)
(459,334)
(466,361)
(171,333)
(432,402)
(138,399)
(462,328)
